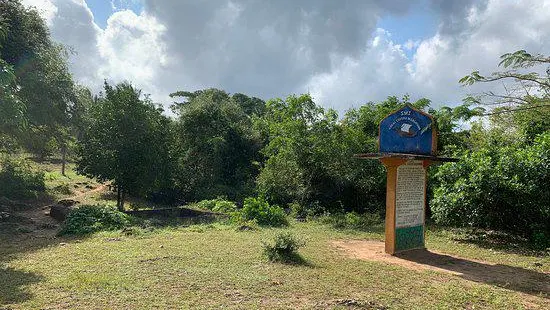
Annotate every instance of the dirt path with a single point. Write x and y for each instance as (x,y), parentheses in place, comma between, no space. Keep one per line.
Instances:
(515,278)
(38,222)
(78,196)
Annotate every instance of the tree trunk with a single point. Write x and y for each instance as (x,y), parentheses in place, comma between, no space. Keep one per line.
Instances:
(63,159)
(122,201)
(119,204)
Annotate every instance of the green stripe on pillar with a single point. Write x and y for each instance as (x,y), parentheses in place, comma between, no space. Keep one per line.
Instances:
(407,238)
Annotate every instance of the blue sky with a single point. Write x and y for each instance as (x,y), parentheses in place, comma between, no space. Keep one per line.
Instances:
(418,24)
(103,9)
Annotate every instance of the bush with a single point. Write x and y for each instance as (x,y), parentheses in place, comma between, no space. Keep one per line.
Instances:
(258,209)
(217,205)
(352,220)
(284,249)
(18,180)
(501,188)
(89,219)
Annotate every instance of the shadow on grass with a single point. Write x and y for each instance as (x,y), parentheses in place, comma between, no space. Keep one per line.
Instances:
(494,240)
(14,282)
(13,285)
(162,221)
(294,259)
(508,277)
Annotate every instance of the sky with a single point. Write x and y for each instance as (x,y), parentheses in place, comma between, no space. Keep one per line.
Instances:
(344,53)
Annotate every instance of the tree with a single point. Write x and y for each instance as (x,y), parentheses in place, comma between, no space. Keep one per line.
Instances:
(525,102)
(126,140)
(38,67)
(526,88)
(309,158)
(217,146)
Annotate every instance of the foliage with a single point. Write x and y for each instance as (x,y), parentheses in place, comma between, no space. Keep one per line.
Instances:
(38,66)
(217,205)
(259,210)
(216,146)
(88,219)
(127,140)
(352,220)
(309,155)
(525,85)
(496,187)
(284,249)
(12,109)
(36,89)
(18,180)
(525,94)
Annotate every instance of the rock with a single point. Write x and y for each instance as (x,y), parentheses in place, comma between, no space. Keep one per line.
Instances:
(68,202)
(60,212)
(89,187)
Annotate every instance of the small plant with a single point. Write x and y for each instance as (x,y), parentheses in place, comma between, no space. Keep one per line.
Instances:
(248,226)
(352,220)
(258,209)
(224,206)
(89,219)
(284,249)
(18,180)
(219,205)
(297,210)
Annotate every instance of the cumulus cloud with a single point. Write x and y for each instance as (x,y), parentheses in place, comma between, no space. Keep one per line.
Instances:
(129,48)
(273,48)
(469,38)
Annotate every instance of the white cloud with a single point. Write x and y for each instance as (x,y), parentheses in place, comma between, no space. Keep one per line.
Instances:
(130,49)
(473,42)
(47,9)
(276,48)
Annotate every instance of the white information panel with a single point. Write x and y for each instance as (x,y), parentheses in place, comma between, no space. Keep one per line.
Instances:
(410,194)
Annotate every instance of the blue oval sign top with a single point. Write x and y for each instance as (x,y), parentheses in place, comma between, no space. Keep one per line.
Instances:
(409,131)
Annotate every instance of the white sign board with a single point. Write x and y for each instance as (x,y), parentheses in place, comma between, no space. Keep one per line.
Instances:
(410,193)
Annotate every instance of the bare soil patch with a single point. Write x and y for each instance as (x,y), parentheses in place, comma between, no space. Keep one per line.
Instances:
(510,277)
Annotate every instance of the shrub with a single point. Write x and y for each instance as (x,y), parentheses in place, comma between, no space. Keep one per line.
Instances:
(501,188)
(89,219)
(258,209)
(18,180)
(352,220)
(284,249)
(217,205)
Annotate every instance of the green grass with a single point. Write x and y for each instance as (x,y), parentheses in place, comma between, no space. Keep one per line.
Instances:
(174,265)
(212,266)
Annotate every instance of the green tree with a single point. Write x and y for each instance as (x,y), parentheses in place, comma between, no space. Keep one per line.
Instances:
(524,103)
(126,140)
(309,158)
(217,147)
(38,66)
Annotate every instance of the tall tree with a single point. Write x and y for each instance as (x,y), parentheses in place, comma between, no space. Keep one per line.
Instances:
(125,140)
(217,146)
(39,69)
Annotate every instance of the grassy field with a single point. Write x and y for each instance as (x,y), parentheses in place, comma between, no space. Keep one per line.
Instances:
(216,266)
